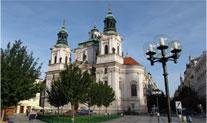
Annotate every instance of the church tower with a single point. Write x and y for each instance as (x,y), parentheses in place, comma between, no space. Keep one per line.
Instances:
(60,55)
(110,45)
(109,59)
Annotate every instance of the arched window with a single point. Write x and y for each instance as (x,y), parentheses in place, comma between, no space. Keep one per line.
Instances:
(133,90)
(106,82)
(105,71)
(60,59)
(66,59)
(113,50)
(55,60)
(118,50)
(106,49)
(84,56)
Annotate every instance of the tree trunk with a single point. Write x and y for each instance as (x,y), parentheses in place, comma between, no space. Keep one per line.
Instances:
(73,120)
(76,105)
(99,110)
(58,111)
(89,112)
(62,110)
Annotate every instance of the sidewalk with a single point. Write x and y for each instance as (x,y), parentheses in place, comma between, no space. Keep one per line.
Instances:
(149,119)
(22,118)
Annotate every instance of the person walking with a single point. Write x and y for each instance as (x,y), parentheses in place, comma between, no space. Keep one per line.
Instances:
(189,116)
(32,115)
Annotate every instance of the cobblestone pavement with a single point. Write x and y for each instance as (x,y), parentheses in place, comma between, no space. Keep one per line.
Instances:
(149,119)
(21,118)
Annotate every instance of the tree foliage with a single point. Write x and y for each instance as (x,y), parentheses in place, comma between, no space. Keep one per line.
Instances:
(19,72)
(188,97)
(76,83)
(108,95)
(56,95)
(101,95)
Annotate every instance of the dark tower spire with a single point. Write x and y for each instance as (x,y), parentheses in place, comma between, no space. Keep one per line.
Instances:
(62,35)
(109,21)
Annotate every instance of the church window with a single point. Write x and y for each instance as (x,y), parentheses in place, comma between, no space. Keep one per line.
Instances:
(117,49)
(133,106)
(105,70)
(113,50)
(107,25)
(60,60)
(53,77)
(106,82)
(66,59)
(106,49)
(55,60)
(84,56)
(70,59)
(133,90)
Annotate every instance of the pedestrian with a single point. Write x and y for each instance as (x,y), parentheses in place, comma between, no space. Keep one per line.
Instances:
(27,112)
(32,115)
(188,115)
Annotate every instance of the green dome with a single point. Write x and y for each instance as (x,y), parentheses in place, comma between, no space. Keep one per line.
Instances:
(110,15)
(109,22)
(94,29)
(62,36)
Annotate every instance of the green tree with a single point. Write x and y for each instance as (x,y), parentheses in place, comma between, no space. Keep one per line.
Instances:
(98,99)
(76,84)
(19,72)
(188,97)
(108,95)
(102,95)
(56,95)
(91,94)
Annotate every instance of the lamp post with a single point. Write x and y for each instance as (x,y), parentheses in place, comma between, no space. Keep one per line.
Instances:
(157,92)
(162,57)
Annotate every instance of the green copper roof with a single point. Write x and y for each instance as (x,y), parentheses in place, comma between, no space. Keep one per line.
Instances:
(109,14)
(89,42)
(109,22)
(62,35)
(94,29)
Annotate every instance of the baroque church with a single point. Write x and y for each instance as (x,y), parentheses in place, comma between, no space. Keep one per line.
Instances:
(102,55)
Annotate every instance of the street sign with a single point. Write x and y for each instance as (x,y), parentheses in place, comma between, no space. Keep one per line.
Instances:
(178,104)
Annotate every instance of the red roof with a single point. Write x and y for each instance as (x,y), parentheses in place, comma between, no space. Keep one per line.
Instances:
(130,61)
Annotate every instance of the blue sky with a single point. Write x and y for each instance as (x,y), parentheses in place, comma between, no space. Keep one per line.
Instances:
(37,23)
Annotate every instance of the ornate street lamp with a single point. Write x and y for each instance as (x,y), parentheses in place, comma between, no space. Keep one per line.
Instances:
(159,53)
(157,92)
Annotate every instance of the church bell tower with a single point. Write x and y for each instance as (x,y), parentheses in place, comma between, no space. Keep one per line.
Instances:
(60,56)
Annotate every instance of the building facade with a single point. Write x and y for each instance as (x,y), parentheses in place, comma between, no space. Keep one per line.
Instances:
(102,56)
(195,74)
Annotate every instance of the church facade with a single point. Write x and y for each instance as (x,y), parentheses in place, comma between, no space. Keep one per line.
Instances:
(102,55)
